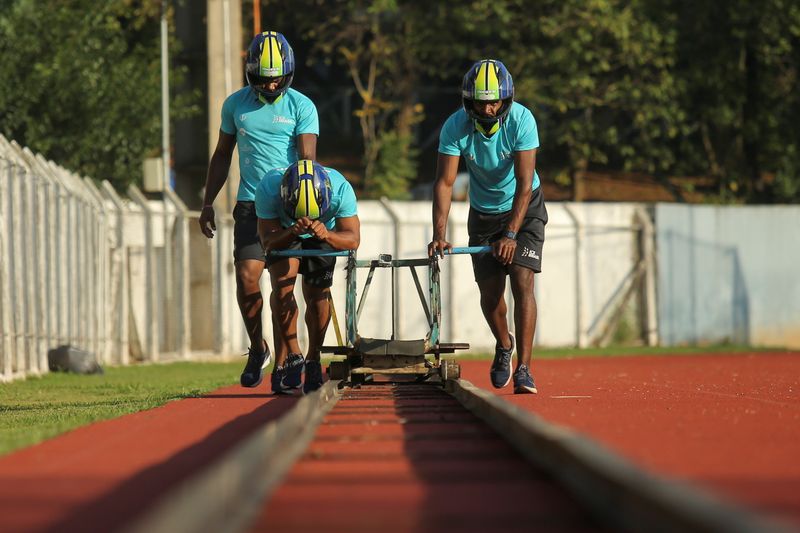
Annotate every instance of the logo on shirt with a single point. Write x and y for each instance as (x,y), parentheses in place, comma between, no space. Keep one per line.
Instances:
(242,117)
(282,120)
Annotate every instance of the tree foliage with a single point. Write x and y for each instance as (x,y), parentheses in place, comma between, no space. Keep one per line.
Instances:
(598,75)
(666,87)
(80,83)
(739,62)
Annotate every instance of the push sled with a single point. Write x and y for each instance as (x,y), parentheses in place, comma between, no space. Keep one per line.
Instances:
(358,359)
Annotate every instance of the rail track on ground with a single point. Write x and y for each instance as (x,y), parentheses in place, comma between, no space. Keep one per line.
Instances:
(401,456)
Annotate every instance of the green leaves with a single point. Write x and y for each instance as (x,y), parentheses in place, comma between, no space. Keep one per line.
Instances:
(81,83)
(698,88)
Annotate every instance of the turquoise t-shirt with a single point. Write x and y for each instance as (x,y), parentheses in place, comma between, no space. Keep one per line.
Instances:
(266,133)
(268,199)
(490,160)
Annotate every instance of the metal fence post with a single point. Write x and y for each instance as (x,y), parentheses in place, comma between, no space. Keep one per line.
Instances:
(14,260)
(41,253)
(649,258)
(101,246)
(151,327)
(6,332)
(118,303)
(30,263)
(580,333)
(183,275)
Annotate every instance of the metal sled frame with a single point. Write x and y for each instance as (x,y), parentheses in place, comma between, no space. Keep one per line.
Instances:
(364,356)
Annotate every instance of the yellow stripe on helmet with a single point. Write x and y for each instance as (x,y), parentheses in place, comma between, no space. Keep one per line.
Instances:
(487,84)
(304,167)
(307,202)
(271,60)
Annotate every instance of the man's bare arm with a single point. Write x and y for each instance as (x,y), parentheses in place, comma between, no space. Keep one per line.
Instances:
(446,169)
(524,165)
(307,146)
(217,174)
(346,236)
(273,236)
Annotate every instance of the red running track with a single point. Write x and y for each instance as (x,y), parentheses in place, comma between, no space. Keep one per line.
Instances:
(96,478)
(728,423)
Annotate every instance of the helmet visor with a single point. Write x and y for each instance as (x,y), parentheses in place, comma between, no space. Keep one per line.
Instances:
(269,86)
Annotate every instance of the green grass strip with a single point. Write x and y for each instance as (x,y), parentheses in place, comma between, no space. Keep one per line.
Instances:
(39,408)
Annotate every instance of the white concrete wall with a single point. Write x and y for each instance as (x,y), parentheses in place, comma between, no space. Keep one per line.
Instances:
(729,273)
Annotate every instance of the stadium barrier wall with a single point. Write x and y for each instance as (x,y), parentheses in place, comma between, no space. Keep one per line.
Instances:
(729,274)
(131,279)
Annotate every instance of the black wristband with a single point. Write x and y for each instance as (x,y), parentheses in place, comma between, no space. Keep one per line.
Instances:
(508,234)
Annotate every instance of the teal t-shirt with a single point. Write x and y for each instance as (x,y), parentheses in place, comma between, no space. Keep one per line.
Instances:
(266,133)
(268,198)
(490,160)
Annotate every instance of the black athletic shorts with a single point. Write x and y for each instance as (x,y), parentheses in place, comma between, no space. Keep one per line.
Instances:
(316,271)
(486,228)
(246,244)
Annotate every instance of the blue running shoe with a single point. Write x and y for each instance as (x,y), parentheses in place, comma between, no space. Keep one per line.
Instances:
(523,381)
(313,376)
(278,382)
(294,370)
(500,373)
(253,371)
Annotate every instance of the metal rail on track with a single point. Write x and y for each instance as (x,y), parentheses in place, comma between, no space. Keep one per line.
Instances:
(223,497)
(616,491)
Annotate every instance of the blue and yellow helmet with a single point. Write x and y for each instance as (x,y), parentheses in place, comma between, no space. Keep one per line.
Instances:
(306,190)
(269,56)
(487,79)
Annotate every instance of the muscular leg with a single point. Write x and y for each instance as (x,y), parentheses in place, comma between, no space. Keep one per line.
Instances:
(248,295)
(281,348)
(493,305)
(522,283)
(318,316)
(283,275)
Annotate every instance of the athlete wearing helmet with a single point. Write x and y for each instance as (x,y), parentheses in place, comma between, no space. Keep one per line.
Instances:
(273,126)
(498,139)
(310,207)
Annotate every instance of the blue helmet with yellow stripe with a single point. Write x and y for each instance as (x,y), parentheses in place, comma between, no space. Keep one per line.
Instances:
(269,56)
(487,79)
(306,190)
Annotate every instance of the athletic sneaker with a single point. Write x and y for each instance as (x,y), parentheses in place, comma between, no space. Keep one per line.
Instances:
(294,370)
(253,371)
(523,381)
(500,373)
(313,376)
(278,382)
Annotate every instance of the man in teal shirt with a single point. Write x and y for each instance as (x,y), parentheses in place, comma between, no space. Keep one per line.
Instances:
(304,207)
(273,126)
(497,138)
